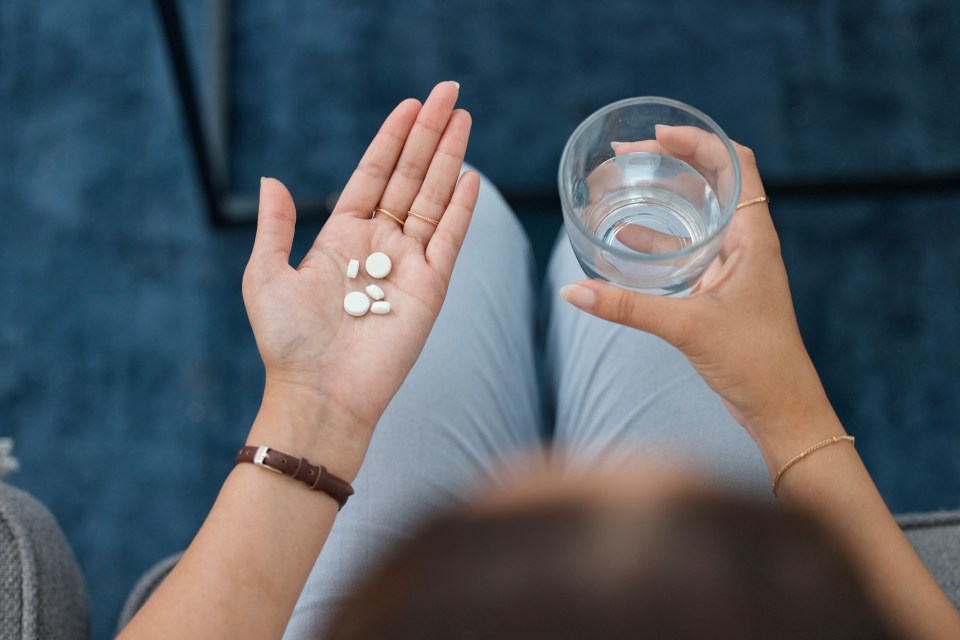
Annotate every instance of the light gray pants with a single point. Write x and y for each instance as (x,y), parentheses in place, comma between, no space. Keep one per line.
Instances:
(471,405)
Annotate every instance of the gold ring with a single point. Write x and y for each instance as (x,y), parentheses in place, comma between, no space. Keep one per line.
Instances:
(424,218)
(747,203)
(387,213)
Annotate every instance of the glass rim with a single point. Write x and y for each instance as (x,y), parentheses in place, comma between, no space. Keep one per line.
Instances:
(635,255)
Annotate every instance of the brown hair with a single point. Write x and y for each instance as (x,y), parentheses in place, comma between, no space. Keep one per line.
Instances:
(704,566)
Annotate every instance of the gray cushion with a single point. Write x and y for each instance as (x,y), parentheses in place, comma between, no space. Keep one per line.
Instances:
(42,593)
(936,537)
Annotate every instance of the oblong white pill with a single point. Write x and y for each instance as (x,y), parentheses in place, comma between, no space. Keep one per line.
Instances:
(353,268)
(378,265)
(356,303)
(380,307)
(375,292)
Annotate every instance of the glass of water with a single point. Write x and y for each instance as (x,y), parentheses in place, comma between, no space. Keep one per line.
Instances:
(646,206)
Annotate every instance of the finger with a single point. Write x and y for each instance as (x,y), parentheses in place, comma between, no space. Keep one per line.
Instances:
(709,152)
(666,318)
(366,186)
(276,221)
(752,224)
(646,240)
(445,243)
(706,152)
(419,149)
(647,146)
(441,178)
(703,148)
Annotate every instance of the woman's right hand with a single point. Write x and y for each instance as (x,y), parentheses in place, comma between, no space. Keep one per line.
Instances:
(738,328)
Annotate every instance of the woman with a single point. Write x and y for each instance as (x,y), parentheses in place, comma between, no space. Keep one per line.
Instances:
(342,390)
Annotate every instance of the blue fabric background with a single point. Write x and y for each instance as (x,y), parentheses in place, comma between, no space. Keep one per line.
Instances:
(128,373)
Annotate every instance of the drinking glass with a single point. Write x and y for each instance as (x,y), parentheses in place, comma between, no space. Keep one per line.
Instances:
(644,214)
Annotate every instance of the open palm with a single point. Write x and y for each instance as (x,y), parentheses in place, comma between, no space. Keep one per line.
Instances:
(304,336)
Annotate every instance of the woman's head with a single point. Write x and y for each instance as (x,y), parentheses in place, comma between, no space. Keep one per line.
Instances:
(574,563)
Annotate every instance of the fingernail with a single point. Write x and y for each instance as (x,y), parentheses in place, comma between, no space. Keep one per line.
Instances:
(262,178)
(615,145)
(454,83)
(660,127)
(579,296)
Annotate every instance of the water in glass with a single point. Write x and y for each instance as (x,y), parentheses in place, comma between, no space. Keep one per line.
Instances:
(649,203)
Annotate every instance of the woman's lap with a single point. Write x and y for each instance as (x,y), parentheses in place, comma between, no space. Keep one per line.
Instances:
(619,394)
(471,405)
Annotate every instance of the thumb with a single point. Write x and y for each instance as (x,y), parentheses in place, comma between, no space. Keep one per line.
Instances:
(276,221)
(663,317)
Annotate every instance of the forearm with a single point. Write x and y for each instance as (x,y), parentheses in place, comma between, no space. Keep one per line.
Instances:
(834,486)
(329,375)
(244,571)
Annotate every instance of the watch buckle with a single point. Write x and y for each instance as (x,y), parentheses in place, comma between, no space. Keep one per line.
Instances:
(261,455)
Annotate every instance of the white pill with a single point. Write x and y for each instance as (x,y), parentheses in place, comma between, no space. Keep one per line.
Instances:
(380,307)
(353,268)
(378,265)
(356,303)
(375,292)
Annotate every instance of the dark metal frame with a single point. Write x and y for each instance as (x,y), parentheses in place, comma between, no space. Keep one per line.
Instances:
(207,120)
(208,132)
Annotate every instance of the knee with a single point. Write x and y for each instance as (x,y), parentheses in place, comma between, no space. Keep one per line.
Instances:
(492,209)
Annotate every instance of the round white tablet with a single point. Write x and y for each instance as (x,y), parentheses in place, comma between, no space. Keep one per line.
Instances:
(375,292)
(378,265)
(380,307)
(356,303)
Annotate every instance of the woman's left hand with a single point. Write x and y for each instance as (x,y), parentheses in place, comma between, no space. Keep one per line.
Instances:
(329,375)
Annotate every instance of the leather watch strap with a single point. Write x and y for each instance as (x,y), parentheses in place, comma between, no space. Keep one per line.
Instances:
(315,477)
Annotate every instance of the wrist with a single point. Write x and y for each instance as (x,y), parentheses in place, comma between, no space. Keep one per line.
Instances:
(303,423)
(783,436)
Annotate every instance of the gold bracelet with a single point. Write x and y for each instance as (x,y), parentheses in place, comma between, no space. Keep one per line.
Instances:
(819,445)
